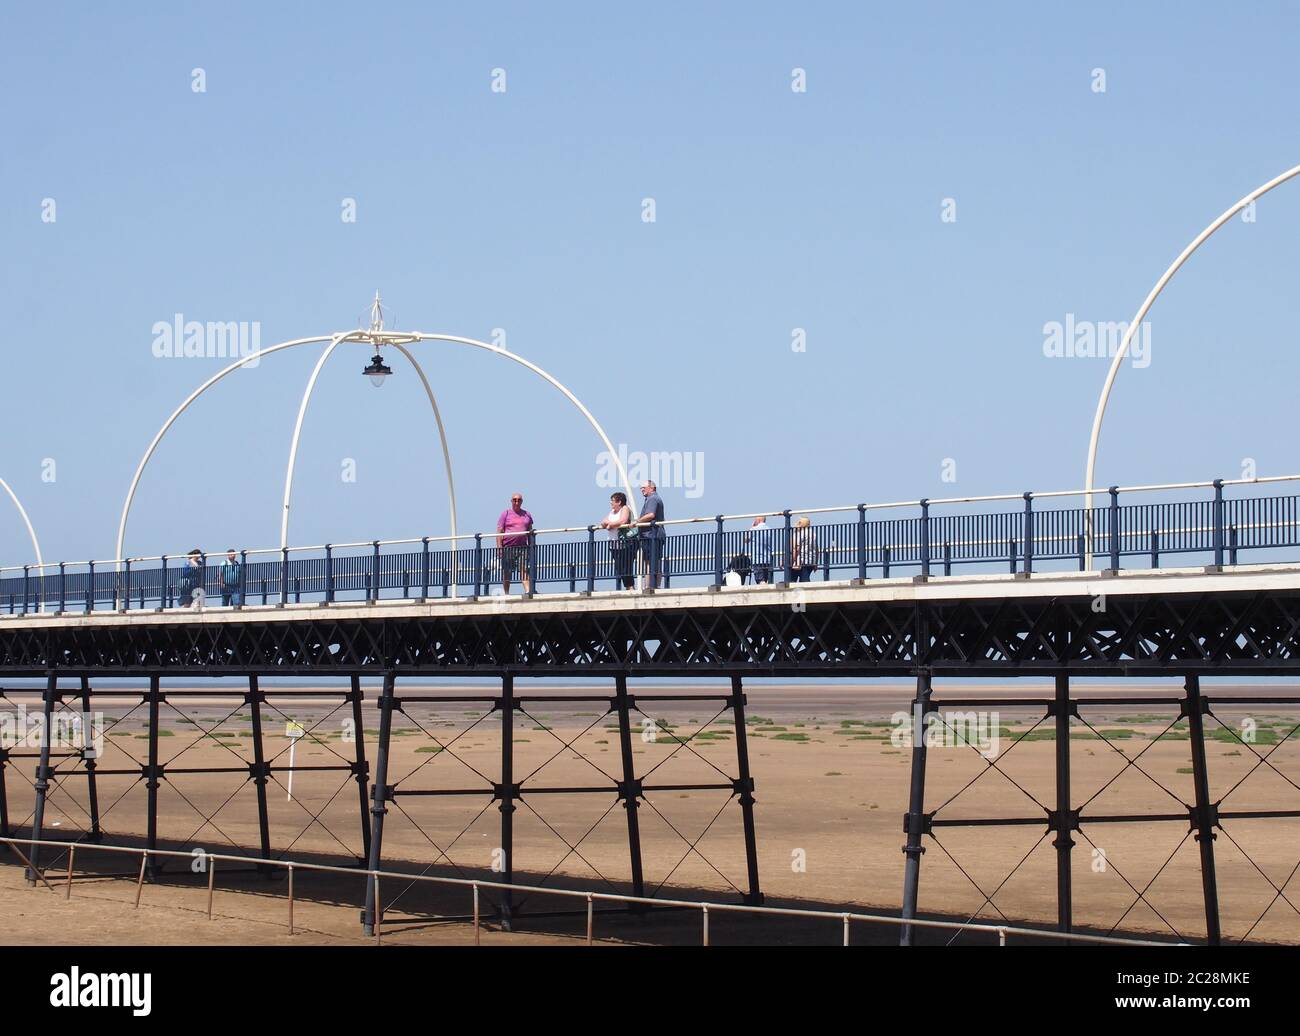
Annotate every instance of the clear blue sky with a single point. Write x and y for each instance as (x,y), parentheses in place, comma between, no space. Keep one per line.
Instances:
(522,210)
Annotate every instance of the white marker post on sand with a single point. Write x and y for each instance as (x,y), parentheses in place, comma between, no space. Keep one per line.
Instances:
(293,731)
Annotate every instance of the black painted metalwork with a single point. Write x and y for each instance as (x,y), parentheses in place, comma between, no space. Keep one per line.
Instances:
(916,822)
(1226,633)
(744,787)
(380,794)
(629,790)
(1204,817)
(259,770)
(90,757)
(506,793)
(1063,819)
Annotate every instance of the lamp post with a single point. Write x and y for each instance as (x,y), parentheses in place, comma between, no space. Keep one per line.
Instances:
(377,370)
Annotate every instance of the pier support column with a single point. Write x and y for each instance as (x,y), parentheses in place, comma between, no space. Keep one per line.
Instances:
(260,771)
(507,792)
(1063,819)
(1204,815)
(360,767)
(87,726)
(744,787)
(152,777)
(379,795)
(42,784)
(630,788)
(4,798)
(916,823)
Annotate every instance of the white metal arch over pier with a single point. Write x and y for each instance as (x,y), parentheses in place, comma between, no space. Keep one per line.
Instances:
(36,546)
(1136,322)
(399,340)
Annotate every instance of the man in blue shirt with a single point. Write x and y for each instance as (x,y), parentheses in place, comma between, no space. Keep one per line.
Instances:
(652,534)
(232,580)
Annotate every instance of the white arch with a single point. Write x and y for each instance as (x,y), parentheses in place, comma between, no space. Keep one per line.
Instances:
(501,351)
(36,546)
(1136,323)
(139,471)
(297,433)
(334,340)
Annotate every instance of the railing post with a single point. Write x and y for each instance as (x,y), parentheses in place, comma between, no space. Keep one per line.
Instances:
(591,559)
(284,576)
(478,562)
(424,568)
(925,539)
(1218,523)
(862,541)
(789,561)
(329,574)
(126,598)
(1029,533)
(63,588)
(90,588)
(717,553)
(163,595)
(374,571)
(1114,528)
(26,591)
(532,563)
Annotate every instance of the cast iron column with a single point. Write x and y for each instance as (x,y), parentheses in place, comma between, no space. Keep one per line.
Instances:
(506,793)
(42,779)
(744,786)
(916,821)
(261,772)
(360,767)
(87,725)
(151,771)
(630,789)
(1205,815)
(1064,817)
(379,794)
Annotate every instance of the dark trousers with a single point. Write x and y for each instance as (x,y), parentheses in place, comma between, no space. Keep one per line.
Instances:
(624,554)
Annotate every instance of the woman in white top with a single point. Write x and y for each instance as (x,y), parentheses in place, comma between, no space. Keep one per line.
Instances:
(621,546)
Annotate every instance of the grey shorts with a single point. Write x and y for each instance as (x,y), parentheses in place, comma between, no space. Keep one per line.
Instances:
(512,558)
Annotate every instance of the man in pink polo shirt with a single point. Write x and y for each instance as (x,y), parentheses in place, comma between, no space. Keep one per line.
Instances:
(512,543)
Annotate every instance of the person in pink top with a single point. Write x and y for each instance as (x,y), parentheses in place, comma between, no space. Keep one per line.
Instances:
(513,528)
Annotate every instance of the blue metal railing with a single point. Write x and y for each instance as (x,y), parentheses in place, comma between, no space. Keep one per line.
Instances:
(839,543)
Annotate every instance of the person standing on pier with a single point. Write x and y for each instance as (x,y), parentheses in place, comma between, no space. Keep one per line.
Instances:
(232,580)
(190,592)
(651,534)
(804,550)
(761,537)
(622,541)
(514,529)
